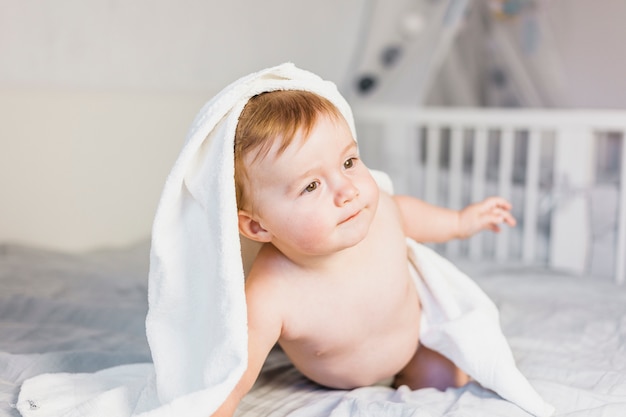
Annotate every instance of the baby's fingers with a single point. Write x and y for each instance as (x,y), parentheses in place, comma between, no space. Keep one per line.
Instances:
(508,218)
(497,202)
(503,216)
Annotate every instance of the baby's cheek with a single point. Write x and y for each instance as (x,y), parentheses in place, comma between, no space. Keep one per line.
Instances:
(371,191)
(312,228)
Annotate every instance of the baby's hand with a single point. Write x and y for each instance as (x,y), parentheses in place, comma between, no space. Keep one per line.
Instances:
(488,214)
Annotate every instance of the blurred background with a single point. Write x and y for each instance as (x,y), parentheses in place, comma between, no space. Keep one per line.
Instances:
(96,96)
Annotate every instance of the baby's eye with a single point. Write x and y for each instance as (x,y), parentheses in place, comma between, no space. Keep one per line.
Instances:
(349,163)
(311,187)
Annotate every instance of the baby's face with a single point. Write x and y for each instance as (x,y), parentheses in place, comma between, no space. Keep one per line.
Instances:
(317,197)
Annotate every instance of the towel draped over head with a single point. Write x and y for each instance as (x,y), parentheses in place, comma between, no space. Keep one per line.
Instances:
(196,324)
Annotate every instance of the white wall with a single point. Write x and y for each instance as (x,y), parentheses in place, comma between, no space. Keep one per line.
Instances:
(96,97)
(590,35)
(85,169)
(168,44)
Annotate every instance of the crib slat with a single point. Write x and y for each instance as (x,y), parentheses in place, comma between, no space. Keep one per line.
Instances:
(432,164)
(456,167)
(620,250)
(479,171)
(455,186)
(574,169)
(504,187)
(529,236)
(415,170)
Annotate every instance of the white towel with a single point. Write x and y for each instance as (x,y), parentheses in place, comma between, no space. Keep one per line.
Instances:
(462,323)
(196,324)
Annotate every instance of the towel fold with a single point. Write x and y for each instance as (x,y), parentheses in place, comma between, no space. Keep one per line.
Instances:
(196,324)
(462,323)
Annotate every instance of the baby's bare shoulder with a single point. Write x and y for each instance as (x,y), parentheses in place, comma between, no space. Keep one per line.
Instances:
(266,297)
(267,278)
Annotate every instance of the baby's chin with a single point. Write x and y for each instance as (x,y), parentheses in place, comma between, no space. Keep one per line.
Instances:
(356,230)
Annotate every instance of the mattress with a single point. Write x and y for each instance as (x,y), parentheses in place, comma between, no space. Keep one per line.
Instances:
(82,312)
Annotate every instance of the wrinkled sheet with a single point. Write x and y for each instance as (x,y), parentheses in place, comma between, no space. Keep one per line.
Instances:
(81,313)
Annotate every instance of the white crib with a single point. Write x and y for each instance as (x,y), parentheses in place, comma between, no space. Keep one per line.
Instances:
(560,168)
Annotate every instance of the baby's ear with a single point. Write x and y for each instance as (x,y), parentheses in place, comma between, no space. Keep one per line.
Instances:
(251,228)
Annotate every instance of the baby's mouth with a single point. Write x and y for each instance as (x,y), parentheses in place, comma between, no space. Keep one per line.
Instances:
(351,217)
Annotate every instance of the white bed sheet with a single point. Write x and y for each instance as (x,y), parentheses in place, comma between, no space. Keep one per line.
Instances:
(69,313)
(80,313)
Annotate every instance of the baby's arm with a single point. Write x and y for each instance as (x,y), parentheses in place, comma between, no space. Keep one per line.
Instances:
(428,223)
(264,327)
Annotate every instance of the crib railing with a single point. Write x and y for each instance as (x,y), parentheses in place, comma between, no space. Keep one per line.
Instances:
(554,165)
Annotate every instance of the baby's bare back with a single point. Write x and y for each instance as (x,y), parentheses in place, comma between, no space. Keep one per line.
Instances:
(358,323)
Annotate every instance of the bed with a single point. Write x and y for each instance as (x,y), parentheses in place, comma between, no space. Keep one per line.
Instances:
(557,278)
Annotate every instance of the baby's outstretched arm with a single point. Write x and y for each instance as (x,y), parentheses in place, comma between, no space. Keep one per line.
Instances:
(425,222)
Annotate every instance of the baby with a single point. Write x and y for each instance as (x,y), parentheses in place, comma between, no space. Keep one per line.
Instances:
(331,283)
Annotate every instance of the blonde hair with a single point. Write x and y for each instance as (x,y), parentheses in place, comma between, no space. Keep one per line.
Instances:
(268,117)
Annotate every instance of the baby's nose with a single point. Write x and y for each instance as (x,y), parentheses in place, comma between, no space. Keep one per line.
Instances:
(346,192)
